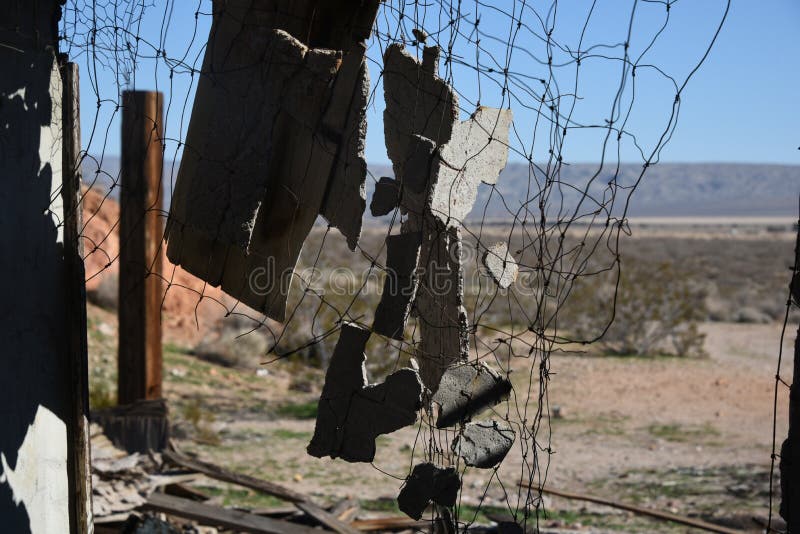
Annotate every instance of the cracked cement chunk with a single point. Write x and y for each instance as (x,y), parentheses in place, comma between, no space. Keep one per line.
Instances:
(428,483)
(351,413)
(420,165)
(386,197)
(468,389)
(399,286)
(501,265)
(476,152)
(439,307)
(418,102)
(484,444)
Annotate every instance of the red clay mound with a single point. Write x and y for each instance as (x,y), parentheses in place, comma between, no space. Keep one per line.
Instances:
(190,307)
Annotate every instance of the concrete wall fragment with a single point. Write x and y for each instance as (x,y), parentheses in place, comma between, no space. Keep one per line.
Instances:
(351,413)
(477,152)
(428,483)
(275,139)
(417,103)
(386,197)
(439,304)
(500,265)
(400,284)
(484,444)
(466,390)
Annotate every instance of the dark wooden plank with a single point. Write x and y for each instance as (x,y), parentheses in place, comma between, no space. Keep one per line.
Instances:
(790,450)
(326,518)
(141,426)
(657,514)
(390,523)
(221,517)
(185,492)
(78,430)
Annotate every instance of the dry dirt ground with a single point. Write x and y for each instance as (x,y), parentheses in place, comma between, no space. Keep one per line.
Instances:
(688,436)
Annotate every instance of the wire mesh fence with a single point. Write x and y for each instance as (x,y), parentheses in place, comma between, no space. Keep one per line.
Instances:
(585,81)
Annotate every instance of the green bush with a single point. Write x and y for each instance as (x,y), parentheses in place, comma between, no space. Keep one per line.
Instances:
(656,311)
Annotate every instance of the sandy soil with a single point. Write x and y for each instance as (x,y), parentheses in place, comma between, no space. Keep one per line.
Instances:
(690,436)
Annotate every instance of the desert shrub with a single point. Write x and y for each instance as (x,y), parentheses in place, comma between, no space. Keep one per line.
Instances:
(235,342)
(201,420)
(657,311)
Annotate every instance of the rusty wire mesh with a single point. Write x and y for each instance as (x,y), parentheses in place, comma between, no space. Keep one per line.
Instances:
(574,84)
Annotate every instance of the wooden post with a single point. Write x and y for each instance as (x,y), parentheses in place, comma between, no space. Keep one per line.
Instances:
(141,235)
(790,451)
(78,432)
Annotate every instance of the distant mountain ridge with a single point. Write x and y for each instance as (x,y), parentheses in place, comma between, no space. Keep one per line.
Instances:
(667,189)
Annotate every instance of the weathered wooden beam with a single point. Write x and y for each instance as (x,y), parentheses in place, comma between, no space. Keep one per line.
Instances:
(303,502)
(224,475)
(222,517)
(78,431)
(380,524)
(141,235)
(657,514)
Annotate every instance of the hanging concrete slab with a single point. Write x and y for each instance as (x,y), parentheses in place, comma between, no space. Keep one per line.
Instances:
(476,152)
(501,265)
(484,444)
(428,483)
(399,286)
(386,197)
(439,306)
(418,102)
(351,413)
(466,390)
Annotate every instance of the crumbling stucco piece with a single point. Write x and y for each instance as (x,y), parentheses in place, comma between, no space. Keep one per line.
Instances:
(399,286)
(442,318)
(484,444)
(428,483)
(351,413)
(466,390)
(476,152)
(386,197)
(501,265)
(418,102)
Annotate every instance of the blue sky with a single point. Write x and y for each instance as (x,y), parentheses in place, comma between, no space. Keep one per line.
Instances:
(739,107)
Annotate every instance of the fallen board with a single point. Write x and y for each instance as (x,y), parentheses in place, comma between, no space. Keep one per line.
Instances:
(303,502)
(221,517)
